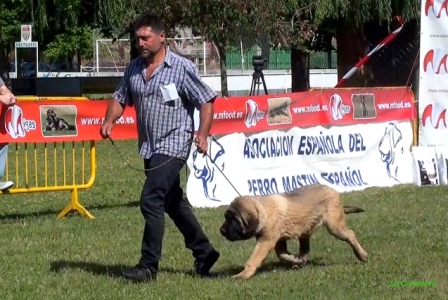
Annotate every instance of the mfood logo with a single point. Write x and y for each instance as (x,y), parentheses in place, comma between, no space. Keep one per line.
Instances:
(435,9)
(337,108)
(436,113)
(435,61)
(253,114)
(15,124)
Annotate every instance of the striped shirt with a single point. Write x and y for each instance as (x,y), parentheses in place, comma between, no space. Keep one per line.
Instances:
(164,104)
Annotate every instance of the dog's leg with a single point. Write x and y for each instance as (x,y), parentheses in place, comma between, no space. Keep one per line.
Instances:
(281,249)
(336,226)
(259,254)
(304,252)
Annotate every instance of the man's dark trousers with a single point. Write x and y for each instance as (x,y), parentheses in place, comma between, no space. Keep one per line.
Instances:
(162,193)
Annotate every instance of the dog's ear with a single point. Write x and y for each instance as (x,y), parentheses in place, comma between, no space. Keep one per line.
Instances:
(251,226)
(396,135)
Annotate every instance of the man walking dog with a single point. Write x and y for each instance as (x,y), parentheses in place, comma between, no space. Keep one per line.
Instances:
(164,88)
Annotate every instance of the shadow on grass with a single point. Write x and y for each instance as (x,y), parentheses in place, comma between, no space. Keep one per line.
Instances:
(117,270)
(44,213)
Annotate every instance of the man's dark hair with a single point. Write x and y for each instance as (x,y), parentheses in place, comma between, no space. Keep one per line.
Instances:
(149,20)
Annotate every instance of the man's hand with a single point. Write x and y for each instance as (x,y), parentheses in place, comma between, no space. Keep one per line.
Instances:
(106,130)
(8,99)
(113,112)
(201,143)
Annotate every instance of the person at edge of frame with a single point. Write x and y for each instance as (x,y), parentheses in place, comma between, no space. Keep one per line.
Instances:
(164,88)
(6,98)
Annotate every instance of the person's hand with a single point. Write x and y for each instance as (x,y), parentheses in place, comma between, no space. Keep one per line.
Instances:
(106,130)
(8,99)
(12,99)
(201,143)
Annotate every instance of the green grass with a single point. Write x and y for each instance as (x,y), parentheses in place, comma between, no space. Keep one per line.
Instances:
(403,229)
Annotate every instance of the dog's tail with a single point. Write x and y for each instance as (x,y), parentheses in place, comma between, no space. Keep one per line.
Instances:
(352,209)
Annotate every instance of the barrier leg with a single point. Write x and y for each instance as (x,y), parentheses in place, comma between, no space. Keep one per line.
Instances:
(75,205)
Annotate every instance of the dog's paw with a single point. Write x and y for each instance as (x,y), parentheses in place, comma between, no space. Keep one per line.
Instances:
(243,275)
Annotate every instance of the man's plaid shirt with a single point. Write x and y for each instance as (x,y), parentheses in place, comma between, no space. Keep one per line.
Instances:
(164,127)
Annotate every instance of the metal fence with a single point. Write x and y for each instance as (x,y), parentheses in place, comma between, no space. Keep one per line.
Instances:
(280,60)
(113,56)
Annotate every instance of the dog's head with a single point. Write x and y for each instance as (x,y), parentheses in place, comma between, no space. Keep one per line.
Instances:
(202,164)
(51,113)
(242,220)
(389,142)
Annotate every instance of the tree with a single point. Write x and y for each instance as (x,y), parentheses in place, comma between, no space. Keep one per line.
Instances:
(58,37)
(223,22)
(10,15)
(351,20)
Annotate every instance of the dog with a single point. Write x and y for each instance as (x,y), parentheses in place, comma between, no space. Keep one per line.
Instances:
(54,123)
(274,219)
(391,150)
(206,169)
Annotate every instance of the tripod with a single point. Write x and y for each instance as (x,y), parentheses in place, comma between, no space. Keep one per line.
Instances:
(256,77)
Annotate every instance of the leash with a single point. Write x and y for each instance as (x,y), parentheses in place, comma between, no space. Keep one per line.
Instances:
(126,162)
(154,168)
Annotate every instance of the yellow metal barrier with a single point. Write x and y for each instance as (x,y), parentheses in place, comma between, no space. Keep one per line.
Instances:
(47,167)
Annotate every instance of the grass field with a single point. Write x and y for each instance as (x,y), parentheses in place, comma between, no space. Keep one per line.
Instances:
(403,229)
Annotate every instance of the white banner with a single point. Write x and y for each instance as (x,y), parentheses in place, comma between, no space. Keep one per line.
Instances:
(433,90)
(442,162)
(426,170)
(347,158)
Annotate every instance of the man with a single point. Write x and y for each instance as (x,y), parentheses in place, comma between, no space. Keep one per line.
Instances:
(164,88)
(6,98)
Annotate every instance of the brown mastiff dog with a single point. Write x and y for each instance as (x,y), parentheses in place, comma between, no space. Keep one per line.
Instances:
(273,219)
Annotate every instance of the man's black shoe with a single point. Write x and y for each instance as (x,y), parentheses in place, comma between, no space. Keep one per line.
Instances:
(202,267)
(139,274)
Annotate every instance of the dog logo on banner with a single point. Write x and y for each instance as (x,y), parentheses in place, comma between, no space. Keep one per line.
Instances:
(253,115)
(436,9)
(206,168)
(436,113)
(391,150)
(337,108)
(14,123)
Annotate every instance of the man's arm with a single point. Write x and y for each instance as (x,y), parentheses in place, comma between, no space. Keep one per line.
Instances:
(115,109)
(4,89)
(206,118)
(203,98)
(6,96)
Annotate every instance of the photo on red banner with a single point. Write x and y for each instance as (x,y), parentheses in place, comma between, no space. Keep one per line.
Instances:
(58,120)
(279,111)
(364,106)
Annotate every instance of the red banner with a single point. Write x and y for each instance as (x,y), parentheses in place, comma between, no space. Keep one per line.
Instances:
(328,107)
(63,120)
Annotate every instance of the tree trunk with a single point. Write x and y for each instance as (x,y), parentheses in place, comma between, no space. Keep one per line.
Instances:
(265,50)
(300,70)
(134,51)
(352,47)
(223,67)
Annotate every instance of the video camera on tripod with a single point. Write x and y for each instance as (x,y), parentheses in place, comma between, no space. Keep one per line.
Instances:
(258,62)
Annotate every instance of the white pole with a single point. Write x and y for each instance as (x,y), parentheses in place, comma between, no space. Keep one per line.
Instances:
(37,59)
(242,57)
(15,61)
(97,58)
(205,58)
